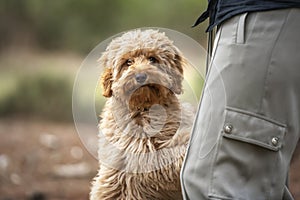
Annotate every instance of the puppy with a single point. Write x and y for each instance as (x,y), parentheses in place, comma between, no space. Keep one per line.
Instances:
(144,128)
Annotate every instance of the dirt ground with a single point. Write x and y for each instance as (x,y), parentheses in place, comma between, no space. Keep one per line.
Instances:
(33,154)
(45,160)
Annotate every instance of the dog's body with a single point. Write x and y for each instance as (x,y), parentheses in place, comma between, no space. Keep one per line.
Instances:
(144,128)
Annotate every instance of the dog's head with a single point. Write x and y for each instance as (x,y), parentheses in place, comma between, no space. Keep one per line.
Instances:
(142,65)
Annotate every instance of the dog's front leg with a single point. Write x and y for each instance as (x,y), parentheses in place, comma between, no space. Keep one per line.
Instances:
(107,185)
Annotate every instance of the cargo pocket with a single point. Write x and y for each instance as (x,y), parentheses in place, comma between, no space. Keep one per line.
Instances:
(246,157)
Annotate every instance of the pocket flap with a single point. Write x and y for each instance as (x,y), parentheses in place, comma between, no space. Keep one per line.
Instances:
(254,129)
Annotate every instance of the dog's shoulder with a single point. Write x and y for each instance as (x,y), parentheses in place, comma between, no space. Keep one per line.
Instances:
(188,112)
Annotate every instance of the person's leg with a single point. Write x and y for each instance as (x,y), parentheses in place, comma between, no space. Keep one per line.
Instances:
(247,125)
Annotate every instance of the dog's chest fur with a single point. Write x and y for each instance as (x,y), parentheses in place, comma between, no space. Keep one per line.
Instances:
(141,151)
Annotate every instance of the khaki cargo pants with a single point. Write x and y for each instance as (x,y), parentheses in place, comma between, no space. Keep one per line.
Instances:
(247,126)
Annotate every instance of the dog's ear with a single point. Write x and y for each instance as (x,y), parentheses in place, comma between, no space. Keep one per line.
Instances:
(180,62)
(177,84)
(106,81)
(178,74)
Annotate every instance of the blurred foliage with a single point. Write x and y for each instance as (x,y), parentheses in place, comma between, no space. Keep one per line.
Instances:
(75,26)
(41,95)
(79,25)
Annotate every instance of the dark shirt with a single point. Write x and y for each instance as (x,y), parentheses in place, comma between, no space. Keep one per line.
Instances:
(220,10)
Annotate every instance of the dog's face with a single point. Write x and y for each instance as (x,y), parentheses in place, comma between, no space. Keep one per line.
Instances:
(142,68)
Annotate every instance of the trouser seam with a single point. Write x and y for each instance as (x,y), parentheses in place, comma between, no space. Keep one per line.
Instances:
(268,70)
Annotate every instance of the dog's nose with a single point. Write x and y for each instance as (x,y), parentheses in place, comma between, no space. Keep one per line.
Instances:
(141,77)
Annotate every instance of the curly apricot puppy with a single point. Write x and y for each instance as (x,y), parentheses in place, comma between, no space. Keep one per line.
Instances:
(144,128)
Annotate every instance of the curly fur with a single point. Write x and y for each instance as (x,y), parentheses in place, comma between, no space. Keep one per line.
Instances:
(144,128)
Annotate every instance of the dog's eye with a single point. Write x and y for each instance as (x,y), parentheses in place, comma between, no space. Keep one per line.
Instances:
(152,60)
(129,62)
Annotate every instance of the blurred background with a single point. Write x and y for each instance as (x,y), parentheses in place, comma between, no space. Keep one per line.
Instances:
(42,45)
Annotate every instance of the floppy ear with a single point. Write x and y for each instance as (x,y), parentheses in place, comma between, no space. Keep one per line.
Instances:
(180,62)
(106,80)
(178,74)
